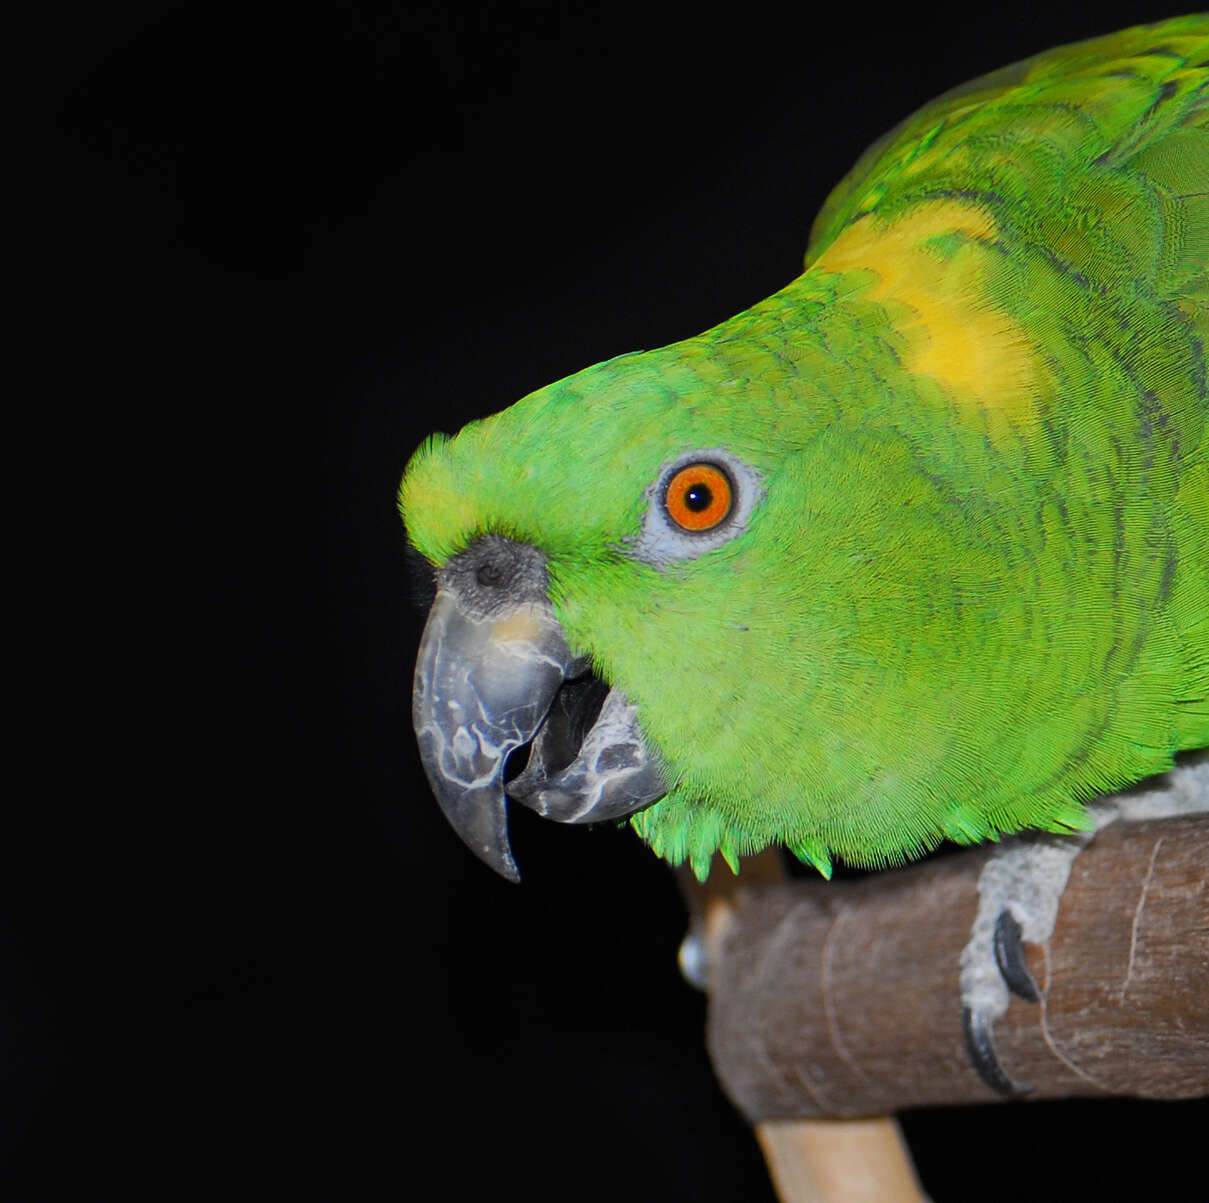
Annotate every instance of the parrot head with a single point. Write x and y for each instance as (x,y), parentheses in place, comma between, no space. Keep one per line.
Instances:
(642,573)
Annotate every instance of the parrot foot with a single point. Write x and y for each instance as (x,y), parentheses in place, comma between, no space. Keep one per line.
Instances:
(978,1027)
(1019,893)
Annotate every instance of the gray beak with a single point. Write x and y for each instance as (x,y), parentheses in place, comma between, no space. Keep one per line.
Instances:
(492,662)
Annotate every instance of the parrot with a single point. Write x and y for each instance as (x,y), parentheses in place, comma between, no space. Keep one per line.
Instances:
(914,550)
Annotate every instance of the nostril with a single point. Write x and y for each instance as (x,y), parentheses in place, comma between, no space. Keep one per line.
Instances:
(495,574)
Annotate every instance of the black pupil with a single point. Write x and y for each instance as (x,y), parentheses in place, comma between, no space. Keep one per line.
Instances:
(698,497)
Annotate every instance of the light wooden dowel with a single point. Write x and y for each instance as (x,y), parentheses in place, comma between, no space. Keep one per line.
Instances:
(839,1161)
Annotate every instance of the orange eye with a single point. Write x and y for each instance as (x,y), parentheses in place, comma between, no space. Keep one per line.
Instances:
(698,497)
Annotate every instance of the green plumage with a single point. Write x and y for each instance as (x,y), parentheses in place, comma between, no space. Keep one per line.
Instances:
(974,592)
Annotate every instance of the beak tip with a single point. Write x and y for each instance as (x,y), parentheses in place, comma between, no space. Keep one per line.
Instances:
(480,818)
(501,861)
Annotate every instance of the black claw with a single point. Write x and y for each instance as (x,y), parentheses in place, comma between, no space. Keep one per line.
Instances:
(980,1044)
(1009,956)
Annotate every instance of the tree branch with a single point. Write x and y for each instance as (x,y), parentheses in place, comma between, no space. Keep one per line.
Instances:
(842,999)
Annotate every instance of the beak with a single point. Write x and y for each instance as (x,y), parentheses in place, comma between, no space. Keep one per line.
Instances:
(493,660)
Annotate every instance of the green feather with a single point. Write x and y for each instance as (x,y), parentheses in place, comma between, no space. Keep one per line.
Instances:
(975,592)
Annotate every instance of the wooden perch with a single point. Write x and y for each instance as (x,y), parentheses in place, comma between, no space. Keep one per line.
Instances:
(841,999)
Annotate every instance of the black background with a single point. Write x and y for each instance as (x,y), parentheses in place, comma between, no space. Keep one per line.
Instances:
(240,951)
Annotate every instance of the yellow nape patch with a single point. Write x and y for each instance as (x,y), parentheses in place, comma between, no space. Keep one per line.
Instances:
(932,268)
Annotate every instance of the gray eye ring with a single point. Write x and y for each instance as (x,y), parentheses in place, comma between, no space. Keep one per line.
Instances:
(663,539)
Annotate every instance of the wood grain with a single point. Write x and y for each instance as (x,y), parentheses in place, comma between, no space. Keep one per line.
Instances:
(841,999)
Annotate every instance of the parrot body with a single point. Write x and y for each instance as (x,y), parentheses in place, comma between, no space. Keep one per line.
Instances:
(949,577)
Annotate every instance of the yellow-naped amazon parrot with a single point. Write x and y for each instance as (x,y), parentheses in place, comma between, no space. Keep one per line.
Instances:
(915,549)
